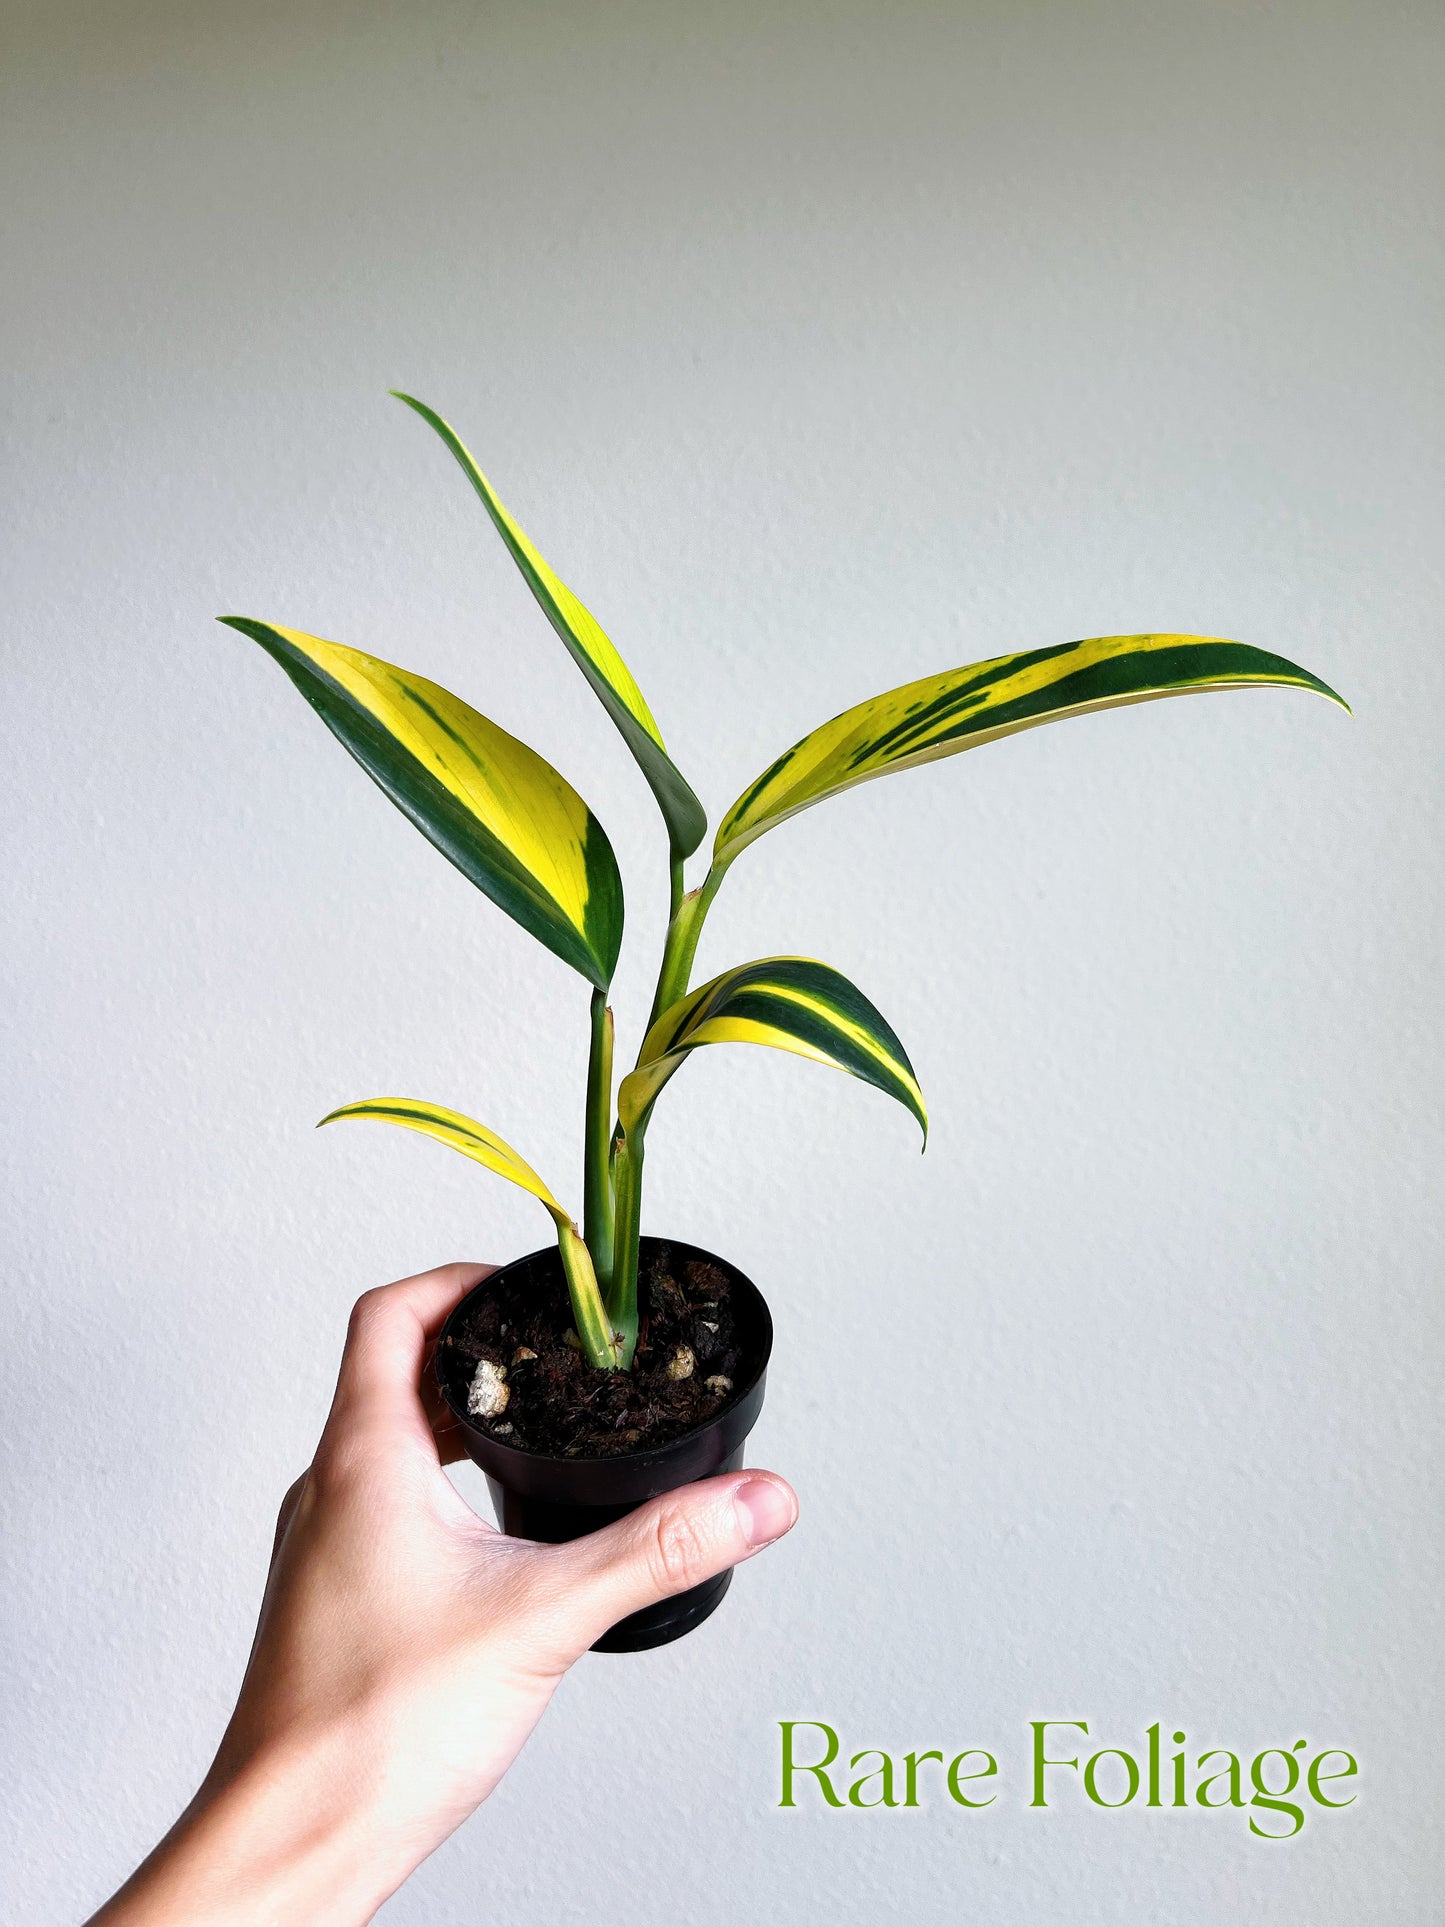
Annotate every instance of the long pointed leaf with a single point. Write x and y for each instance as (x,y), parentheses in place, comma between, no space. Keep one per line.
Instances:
(496,809)
(791,1003)
(460,1133)
(592,650)
(962,708)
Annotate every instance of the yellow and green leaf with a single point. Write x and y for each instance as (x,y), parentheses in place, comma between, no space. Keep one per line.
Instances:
(941,715)
(790,1003)
(459,1133)
(592,650)
(496,809)
(600,1341)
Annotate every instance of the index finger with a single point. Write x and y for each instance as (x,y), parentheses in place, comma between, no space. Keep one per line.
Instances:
(391,1330)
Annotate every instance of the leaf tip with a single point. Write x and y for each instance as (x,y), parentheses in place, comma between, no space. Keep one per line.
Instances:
(1307,679)
(247,626)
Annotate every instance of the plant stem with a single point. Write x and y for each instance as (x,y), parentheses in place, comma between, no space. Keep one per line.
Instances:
(622,1299)
(685,922)
(597,1203)
(600,1341)
(681,947)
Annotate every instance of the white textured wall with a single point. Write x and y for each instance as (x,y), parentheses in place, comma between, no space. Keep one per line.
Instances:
(820,348)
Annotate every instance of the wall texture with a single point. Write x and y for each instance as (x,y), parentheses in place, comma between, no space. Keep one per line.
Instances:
(820,347)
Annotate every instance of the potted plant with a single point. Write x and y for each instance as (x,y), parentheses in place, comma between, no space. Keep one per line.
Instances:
(598,1372)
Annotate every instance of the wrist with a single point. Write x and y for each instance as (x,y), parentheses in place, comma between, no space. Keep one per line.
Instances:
(277,1838)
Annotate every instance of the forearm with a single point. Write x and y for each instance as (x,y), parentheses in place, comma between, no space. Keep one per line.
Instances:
(404,1650)
(279,1841)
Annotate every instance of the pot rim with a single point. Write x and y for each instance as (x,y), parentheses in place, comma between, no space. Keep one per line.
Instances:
(651,1455)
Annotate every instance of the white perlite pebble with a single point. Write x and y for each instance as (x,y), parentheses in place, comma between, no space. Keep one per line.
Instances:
(718,1385)
(490,1391)
(682,1364)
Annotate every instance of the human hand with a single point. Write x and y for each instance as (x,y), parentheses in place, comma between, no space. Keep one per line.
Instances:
(405,1647)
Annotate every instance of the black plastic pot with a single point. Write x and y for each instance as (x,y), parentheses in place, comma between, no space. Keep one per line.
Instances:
(555,1499)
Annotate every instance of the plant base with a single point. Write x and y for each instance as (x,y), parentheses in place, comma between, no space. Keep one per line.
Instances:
(554,1499)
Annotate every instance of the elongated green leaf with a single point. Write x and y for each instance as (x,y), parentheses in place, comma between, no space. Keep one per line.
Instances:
(600,1341)
(791,1003)
(965,707)
(460,1133)
(495,808)
(592,650)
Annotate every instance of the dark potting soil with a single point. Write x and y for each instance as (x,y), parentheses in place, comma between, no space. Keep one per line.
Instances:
(561,1405)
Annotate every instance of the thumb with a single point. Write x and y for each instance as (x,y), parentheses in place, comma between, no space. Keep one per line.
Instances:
(668,1545)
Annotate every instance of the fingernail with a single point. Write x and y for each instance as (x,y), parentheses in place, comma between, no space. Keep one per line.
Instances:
(765,1510)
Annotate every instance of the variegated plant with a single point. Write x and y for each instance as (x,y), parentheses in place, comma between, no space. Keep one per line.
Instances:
(522,834)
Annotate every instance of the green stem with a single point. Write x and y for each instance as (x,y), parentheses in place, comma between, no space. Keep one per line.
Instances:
(622,1299)
(681,947)
(597,1203)
(600,1341)
(687,914)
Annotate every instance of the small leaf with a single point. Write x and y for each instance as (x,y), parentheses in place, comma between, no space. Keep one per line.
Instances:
(592,650)
(496,809)
(965,707)
(462,1134)
(600,1342)
(791,1003)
